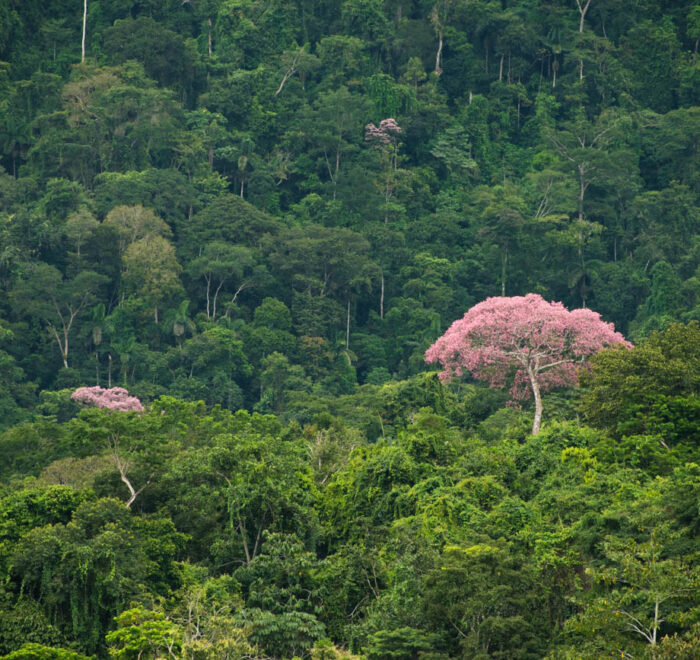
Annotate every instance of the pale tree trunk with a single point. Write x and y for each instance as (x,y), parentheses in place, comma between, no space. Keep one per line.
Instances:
(216,295)
(207,279)
(381,299)
(82,58)
(122,466)
(347,329)
(537,421)
(438,57)
(439,27)
(62,345)
(582,9)
(657,622)
(333,170)
(582,185)
(235,296)
(66,325)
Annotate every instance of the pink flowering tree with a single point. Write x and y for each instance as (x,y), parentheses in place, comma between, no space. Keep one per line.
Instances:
(114,398)
(118,399)
(535,344)
(385,139)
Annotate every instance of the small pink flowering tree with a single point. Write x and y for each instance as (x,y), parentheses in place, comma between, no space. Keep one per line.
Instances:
(537,344)
(118,399)
(114,398)
(385,138)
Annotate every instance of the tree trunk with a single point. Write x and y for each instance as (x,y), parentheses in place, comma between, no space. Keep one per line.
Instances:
(208,281)
(537,421)
(347,329)
(438,57)
(122,467)
(582,9)
(381,299)
(581,190)
(582,12)
(216,295)
(209,38)
(656,622)
(65,347)
(82,58)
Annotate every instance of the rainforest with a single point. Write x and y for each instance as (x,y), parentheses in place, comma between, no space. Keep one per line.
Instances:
(231,233)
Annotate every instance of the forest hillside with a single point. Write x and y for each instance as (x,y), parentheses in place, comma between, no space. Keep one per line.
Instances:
(256,216)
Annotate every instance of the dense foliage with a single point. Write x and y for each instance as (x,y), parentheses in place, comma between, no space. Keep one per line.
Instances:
(255,216)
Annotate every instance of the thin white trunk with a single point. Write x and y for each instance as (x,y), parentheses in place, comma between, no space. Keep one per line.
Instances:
(207,279)
(82,58)
(381,299)
(581,189)
(537,421)
(582,9)
(216,295)
(122,466)
(438,57)
(347,329)
(290,71)
(656,622)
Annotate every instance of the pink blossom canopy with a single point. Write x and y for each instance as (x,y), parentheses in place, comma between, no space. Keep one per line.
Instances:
(383,133)
(524,337)
(115,398)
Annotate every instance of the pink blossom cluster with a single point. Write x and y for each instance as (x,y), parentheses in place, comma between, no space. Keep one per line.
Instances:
(382,134)
(114,398)
(522,337)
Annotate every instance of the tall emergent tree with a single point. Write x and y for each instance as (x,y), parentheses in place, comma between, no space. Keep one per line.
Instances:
(535,343)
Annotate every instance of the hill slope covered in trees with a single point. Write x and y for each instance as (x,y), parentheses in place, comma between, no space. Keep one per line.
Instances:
(273,208)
